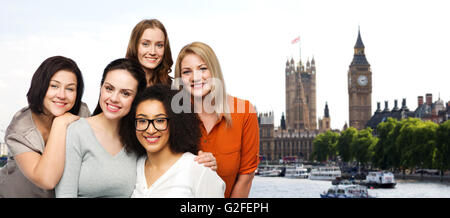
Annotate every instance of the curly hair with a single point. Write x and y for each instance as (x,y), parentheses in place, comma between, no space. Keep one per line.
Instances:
(183,127)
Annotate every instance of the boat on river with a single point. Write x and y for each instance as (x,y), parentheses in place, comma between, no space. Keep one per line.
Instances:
(325,173)
(346,190)
(379,179)
(297,171)
(270,171)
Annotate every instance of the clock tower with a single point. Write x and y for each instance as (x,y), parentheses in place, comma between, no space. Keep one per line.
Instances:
(359,87)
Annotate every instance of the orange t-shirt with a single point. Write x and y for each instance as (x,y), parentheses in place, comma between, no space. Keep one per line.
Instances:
(235,148)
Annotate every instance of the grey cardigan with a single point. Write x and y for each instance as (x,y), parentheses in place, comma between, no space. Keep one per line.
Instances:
(23,136)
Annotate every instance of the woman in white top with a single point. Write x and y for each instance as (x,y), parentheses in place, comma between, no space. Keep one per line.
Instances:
(167,142)
(149,45)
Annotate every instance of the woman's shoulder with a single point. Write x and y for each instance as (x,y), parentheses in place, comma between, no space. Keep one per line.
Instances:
(84,110)
(79,126)
(21,122)
(198,172)
(187,160)
(141,160)
(22,135)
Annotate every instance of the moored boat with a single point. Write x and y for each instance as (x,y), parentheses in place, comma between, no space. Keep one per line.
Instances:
(296,172)
(380,179)
(325,173)
(346,191)
(270,173)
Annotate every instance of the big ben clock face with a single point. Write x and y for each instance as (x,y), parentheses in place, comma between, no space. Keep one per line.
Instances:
(362,80)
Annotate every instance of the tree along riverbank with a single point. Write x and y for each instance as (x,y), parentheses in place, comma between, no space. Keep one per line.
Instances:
(408,144)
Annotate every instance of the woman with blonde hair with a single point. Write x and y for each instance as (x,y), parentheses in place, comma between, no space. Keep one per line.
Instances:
(149,45)
(229,125)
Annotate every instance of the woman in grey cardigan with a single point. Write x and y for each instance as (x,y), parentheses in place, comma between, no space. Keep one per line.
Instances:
(97,165)
(36,134)
(99,160)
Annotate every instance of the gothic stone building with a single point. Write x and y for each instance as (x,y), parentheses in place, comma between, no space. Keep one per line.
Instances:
(294,138)
(437,112)
(279,143)
(301,95)
(359,87)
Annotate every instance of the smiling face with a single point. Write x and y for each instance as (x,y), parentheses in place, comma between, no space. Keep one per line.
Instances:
(196,75)
(117,93)
(61,93)
(153,140)
(151,48)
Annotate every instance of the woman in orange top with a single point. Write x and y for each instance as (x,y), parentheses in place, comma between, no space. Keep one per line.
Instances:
(149,45)
(229,125)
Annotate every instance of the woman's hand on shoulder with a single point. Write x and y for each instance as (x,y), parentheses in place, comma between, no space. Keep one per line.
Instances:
(65,119)
(207,159)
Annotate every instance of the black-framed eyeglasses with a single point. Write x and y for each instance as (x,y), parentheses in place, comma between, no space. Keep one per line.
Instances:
(159,124)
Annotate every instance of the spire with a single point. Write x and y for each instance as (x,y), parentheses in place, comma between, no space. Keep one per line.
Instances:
(326,111)
(359,58)
(288,68)
(283,122)
(359,42)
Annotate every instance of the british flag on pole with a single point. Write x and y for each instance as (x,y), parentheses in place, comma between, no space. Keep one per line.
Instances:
(296,40)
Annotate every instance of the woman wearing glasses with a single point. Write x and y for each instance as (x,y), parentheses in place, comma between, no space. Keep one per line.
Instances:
(167,143)
(149,45)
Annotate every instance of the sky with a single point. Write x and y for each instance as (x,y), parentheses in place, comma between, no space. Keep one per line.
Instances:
(406,42)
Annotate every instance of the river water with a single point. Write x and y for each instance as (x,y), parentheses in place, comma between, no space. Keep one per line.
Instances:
(280,187)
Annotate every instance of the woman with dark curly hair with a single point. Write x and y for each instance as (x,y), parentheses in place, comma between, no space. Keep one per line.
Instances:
(168,143)
(149,45)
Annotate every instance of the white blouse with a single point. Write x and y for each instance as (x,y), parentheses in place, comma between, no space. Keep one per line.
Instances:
(184,179)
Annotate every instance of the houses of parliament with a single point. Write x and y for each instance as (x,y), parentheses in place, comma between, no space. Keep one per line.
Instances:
(293,139)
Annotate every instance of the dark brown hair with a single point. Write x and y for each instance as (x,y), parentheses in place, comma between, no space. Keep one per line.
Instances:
(137,73)
(161,72)
(41,80)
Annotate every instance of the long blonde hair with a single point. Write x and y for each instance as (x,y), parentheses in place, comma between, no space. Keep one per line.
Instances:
(206,53)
